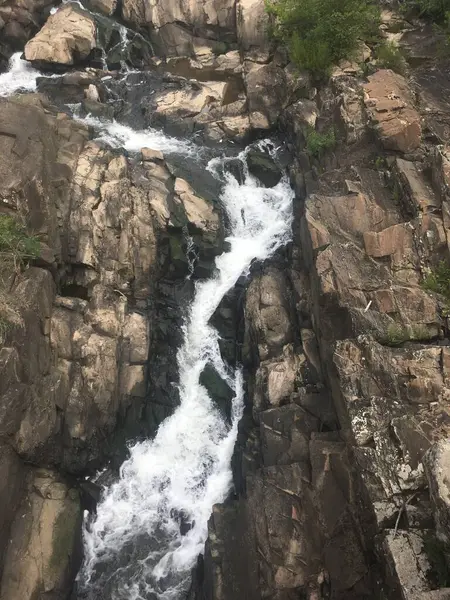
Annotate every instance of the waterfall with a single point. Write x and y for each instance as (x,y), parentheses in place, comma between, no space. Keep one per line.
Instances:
(151,524)
(163,499)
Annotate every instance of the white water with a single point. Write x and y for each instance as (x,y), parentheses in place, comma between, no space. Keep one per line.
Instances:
(186,469)
(20,77)
(116,134)
(181,473)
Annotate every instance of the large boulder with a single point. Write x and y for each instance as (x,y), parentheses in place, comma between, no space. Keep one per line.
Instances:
(68,37)
(75,36)
(389,103)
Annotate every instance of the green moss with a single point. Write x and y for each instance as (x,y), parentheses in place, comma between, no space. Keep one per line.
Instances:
(317,144)
(320,33)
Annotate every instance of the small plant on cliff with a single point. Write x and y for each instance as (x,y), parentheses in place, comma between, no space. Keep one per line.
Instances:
(388,56)
(16,245)
(320,33)
(397,334)
(438,280)
(318,143)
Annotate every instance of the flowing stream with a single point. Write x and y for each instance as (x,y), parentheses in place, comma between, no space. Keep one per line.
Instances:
(151,524)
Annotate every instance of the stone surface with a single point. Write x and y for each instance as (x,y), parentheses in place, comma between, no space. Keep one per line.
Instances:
(437,469)
(43,551)
(389,104)
(68,37)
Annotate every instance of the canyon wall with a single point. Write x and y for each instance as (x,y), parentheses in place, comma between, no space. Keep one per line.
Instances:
(340,467)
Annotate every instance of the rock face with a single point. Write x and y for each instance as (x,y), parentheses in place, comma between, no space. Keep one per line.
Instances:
(389,103)
(68,37)
(74,36)
(75,379)
(18,22)
(44,550)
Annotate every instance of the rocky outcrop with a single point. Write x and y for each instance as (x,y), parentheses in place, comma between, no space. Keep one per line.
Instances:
(74,36)
(74,360)
(19,21)
(44,549)
(68,37)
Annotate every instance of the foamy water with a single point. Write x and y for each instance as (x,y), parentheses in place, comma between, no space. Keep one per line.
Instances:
(185,469)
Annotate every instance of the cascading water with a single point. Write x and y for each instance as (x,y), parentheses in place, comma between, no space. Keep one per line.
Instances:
(151,524)
(156,514)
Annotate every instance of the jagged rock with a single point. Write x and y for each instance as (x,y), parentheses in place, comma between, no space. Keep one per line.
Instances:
(183,28)
(437,467)
(12,479)
(261,165)
(68,37)
(105,7)
(389,104)
(266,313)
(44,548)
(19,21)
(218,389)
(266,90)
(73,35)
(252,25)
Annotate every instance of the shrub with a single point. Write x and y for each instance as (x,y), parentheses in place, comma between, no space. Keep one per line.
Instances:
(389,56)
(396,334)
(320,33)
(319,143)
(16,246)
(435,10)
(438,280)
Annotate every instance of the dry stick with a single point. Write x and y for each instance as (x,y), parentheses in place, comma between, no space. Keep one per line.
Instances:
(402,508)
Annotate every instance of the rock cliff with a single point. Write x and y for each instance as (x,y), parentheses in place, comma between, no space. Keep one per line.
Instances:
(341,465)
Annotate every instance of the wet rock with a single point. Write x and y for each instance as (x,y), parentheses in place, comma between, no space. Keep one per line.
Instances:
(252,25)
(261,165)
(389,104)
(18,23)
(268,326)
(73,36)
(218,389)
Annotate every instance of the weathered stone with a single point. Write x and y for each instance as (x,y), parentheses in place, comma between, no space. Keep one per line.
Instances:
(389,104)
(44,541)
(68,37)
(437,469)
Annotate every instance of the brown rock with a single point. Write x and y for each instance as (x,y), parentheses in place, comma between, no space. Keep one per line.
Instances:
(45,538)
(389,104)
(68,36)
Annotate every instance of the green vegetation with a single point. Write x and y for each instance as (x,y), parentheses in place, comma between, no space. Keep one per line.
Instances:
(398,334)
(16,249)
(438,280)
(318,143)
(16,246)
(388,56)
(435,10)
(320,33)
